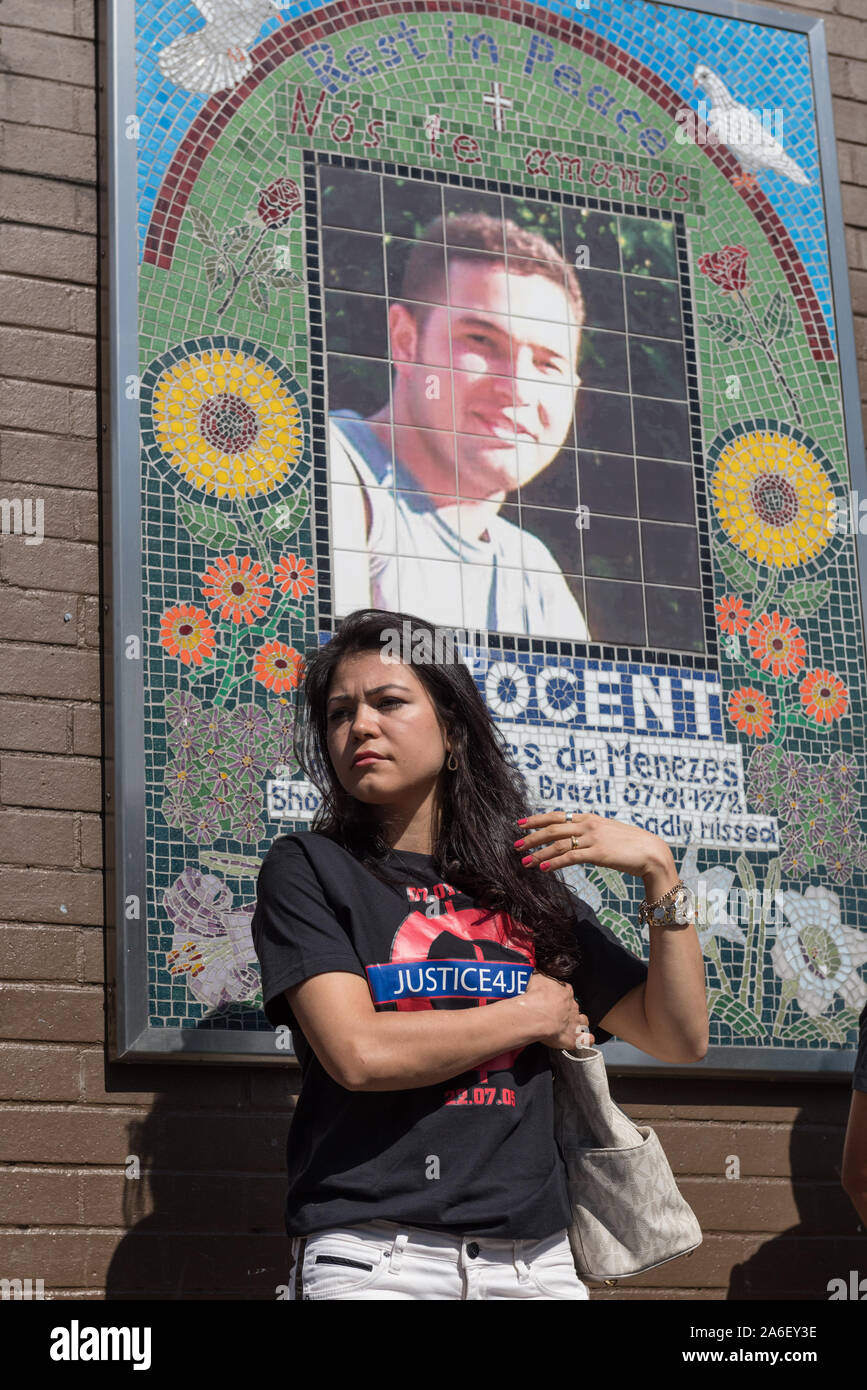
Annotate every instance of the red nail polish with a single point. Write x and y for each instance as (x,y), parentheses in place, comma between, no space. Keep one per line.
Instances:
(528,859)
(518,844)
(524,820)
(545,865)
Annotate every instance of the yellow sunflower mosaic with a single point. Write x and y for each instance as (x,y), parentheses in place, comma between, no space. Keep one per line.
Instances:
(226,419)
(773,497)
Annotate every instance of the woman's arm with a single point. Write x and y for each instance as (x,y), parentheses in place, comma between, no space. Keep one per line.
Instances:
(363,1050)
(666,1016)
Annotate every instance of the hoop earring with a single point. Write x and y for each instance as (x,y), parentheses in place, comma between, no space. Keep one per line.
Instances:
(452,766)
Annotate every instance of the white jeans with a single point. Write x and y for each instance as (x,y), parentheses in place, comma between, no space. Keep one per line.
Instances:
(384,1259)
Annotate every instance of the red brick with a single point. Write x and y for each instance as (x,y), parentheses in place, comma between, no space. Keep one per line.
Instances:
(769,1204)
(24,504)
(86,506)
(92,956)
(43,458)
(86,727)
(854,205)
(93,617)
(39,953)
(29,1197)
(274,1088)
(32,670)
(49,153)
(817,6)
(187,1203)
(852,161)
(266,1197)
(34,54)
(55,564)
(31,101)
(845,36)
(856,248)
(26,616)
(44,203)
(57,1135)
(38,895)
(54,255)
(27,725)
(57,357)
(848,120)
(73,1257)
(61,783)
(42,1013)
(40,1073)
(105,1198)
(82,414)
(47,304)
(848,78)
(91,842)
(26,837)
(731,1101)
(70,17)
(146,1084)
(242,1141)
(763,1150)
(32,405)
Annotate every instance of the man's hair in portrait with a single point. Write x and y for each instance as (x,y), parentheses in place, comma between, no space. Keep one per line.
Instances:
(476,237)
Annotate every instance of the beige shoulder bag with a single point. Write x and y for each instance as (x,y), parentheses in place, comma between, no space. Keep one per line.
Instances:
(627,1213)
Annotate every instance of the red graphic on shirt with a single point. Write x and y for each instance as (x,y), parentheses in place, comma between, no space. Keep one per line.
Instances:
(469,933)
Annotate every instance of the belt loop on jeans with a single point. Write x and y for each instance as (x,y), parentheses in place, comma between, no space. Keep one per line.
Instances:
(299,1266)
(400,1243)
(523,1271)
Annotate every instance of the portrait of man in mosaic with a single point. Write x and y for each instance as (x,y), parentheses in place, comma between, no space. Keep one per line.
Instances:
(508,438)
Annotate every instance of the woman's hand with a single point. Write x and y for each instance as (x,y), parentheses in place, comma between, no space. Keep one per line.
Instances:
(546,842)
(559,1019)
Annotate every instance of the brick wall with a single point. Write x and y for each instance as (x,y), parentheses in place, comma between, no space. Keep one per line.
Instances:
(194,1224)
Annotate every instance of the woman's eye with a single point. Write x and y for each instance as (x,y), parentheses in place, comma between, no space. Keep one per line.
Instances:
(388,700)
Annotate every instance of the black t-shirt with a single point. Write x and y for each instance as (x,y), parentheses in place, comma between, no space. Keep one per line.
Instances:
(859,1076)
(473,1155)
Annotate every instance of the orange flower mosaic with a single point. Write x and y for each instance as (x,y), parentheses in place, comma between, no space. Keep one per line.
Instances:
(187,633)
(777,644)
(824,696)
(750,712)
(238,588)
(732,614)
(277,666)
(294,575)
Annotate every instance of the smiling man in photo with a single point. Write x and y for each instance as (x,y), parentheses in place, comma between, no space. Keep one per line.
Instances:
(483,342)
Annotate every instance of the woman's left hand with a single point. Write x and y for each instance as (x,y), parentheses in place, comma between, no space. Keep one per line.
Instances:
(611,844)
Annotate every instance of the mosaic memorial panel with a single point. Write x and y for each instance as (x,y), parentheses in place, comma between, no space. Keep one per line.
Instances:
(390,262)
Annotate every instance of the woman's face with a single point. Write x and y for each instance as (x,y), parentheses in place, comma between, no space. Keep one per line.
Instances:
(377,705)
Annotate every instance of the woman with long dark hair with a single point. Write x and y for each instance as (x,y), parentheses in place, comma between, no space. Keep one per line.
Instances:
(421,1156)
